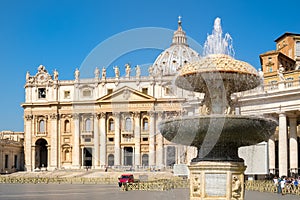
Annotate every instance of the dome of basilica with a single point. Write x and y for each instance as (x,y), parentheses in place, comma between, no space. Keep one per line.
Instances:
(171,60)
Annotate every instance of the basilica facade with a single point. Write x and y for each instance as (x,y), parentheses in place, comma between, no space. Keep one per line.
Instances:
(107,121)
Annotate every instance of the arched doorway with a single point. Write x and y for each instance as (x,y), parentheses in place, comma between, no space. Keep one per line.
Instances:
(41,153)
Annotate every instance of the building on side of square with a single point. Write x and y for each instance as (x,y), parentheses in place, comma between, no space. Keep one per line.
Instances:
(278,97)
(11,151)
(107,121)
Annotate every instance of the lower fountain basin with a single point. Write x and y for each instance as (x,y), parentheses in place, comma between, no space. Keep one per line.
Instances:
(218,137)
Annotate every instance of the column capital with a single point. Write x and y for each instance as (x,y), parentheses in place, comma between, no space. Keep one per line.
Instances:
(281,114)
(53,116)
(28,117)
(75,115)
(137,114)
(96,115)
(160,114)
(102,115)
(65,115)
(152,113)
(116,114)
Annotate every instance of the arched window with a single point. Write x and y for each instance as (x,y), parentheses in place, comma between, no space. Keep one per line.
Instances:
(111,160)
(128,124)
(145,124)
(67,126)
(67,155)
(42,126)
(88,124)
(111,125)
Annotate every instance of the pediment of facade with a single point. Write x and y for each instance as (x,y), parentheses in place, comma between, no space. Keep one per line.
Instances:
(126,94)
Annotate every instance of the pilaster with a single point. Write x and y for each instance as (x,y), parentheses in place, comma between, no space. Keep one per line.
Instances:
(117,138)
(137,139)
(102,139)
(96,141)
(76,141)
(28,142)
(54,142)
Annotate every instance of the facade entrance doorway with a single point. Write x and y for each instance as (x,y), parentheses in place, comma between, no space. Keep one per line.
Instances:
(41,153)
(87,157)
(128,154)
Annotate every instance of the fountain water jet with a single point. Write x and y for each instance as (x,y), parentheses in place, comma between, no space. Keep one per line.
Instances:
(217,172)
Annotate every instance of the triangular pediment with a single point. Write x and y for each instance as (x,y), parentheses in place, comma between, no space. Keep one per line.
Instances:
(126,94)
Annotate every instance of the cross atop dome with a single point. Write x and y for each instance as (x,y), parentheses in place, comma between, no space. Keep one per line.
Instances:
(179,23)
(179,37)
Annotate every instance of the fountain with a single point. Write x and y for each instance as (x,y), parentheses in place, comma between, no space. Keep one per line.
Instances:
(217,172)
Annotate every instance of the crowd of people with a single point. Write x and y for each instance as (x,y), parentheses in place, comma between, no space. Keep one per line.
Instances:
(285,182)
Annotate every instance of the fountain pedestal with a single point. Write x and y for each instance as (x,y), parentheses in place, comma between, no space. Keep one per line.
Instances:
(217,180)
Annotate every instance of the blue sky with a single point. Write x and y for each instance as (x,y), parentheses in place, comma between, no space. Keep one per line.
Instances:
(61,34)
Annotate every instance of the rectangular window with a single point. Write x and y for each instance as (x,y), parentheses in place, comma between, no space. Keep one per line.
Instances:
(145,90)
(289,81)
(67,95)
(6,162)
(42,93)
(87,139)
(110,139)
(145,139)
(298,48)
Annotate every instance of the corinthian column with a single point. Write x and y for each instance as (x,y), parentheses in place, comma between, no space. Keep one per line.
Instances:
(137,139)
(160,148)
(96,141)
(152,139)
(282,150)
(54,141)
(293,144)
(102,140)
(75,150)
(28,144)
(117,138)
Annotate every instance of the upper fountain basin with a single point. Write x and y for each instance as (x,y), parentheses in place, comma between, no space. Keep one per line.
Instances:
(236,75)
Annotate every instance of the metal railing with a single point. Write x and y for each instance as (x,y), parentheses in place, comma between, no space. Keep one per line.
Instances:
(269,186)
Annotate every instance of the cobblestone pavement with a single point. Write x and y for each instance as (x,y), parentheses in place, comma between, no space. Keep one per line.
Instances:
(107,192)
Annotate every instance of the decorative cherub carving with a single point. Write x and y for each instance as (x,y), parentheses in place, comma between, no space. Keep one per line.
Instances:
(236,188)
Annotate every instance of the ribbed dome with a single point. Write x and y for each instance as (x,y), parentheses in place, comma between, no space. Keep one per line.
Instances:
(170,61)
